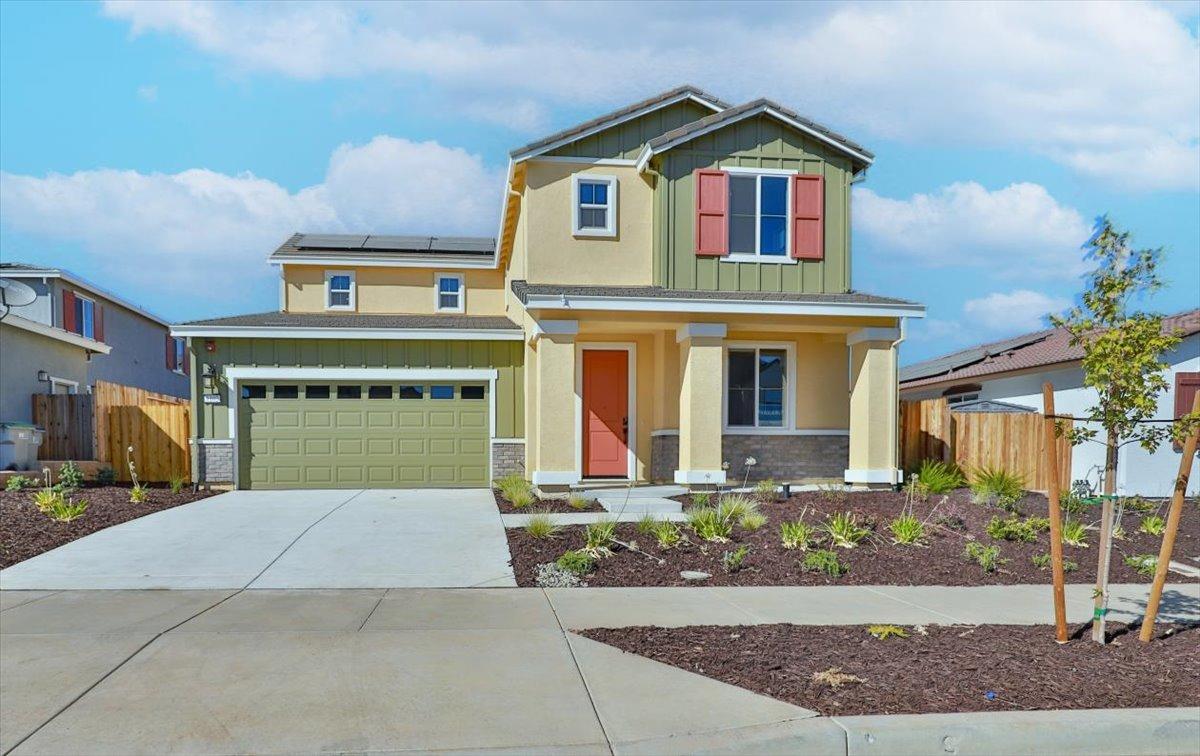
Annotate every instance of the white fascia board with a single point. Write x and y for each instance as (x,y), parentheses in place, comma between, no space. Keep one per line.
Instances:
(571,159)
(721,307)
(615,122)
(508,177)
(430,262)
(361,374)
(57,334)
(265,332)
(88,286)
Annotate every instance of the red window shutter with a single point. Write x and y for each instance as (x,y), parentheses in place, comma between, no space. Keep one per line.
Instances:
(1186,386)
(712,212)
(98,323)
(68,319)
(187,361)
(170,352)
(808,217)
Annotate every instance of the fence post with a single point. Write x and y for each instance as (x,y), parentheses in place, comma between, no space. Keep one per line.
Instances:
(1052,493)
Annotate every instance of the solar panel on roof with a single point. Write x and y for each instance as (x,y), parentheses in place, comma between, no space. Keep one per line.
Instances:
(395,242)
(462,244)
(331,241)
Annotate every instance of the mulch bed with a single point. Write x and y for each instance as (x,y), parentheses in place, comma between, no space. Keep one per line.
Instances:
(946,669)
(25,532)
(542,505)
(950,521)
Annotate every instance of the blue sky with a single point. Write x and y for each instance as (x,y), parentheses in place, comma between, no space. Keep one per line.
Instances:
(164,149)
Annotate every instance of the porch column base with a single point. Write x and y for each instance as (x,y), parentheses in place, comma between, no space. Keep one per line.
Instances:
(694,477)
(885,475)
(551,478)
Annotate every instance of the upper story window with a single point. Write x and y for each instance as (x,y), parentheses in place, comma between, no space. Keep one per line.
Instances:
(758,216)
(85,317)
(339,290)
(177,358)
(450,292)
(594,205)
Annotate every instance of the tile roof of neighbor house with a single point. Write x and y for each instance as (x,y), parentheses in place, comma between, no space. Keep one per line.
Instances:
(735,113)
(524,289)
(300,246)
(1040,348)
(615,115)
(25,270)
(356,320)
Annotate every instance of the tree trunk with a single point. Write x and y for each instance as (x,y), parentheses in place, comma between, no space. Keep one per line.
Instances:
(1106,539)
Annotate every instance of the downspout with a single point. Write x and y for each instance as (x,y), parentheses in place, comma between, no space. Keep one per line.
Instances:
(895,425)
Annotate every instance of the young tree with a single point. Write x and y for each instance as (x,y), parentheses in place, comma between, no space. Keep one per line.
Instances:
(1121,351)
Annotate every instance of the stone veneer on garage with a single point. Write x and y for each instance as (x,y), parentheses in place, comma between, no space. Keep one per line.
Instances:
(508,458)
(782,458)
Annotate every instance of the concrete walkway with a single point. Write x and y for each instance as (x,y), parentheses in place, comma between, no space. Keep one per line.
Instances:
(289,671)
(288,539)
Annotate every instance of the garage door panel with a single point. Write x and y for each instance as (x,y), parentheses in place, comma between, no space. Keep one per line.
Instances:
(404,440)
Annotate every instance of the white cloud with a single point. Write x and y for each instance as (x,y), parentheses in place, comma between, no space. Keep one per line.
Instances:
(1018,231)
(173,230)
(1111,90)
(1013,312)
(148,92)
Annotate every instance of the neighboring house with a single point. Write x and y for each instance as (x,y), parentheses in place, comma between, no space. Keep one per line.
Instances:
(669,291)
(1012,371)
(74,334)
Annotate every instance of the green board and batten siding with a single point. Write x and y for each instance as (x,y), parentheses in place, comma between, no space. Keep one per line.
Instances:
(625,140)
(506,357)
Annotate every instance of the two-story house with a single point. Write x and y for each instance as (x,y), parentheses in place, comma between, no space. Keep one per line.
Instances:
(75,333)
(669,293)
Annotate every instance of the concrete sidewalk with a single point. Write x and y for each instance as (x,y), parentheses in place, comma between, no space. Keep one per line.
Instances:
(288,671)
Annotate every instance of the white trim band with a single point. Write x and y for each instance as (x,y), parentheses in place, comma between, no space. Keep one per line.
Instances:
(400,334)
(886,475)
(508,440)
(700,331)
(546,478)
(694,477)
(721,306)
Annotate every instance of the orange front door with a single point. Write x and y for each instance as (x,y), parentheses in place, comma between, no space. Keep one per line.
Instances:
(605,413)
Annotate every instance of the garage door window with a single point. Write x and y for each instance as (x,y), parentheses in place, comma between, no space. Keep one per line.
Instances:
(349,392)
(379,392)
(316,392)
(472,392)
(412,392)
(441,392)
(254,391)
(287,392)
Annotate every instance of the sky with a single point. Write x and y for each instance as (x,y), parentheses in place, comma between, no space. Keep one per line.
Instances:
(163,150)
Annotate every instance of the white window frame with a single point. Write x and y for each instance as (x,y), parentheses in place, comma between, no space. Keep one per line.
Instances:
(437,292)
(329,274)
(962,397)
(789,387)
(179,344)
(83,303)
(72,386)
(610,228)
(784,259)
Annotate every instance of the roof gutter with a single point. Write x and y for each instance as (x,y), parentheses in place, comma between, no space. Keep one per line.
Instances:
(299,332)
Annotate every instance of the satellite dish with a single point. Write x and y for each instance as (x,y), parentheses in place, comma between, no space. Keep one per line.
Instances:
(14,293)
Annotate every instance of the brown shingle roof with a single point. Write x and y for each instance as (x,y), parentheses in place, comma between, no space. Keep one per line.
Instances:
(524,289)
(1033,350)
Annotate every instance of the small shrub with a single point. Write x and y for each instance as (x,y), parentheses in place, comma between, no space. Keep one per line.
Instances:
(1119,533)
(598,538)
(647,524)
(18,483)
(576,561)
(951,515)
(834,494)
(907,530)
(987,557)
(826,561)
(1139,504)
(1074,534)
(883,632)
(138,493)
(764,490)
(1038,524)
(995,485)
(1072,504)
(667,534)
(844,530)
(105,476)
(937,477)
(177,483)
(46,498)
(541,525)
(514,485)
(1042,562)
(64,510)
(708,524)
(1153,525)
(752,521)
(1011,529)
(521,499)
(575,501)
(732,560)
(69,475)
(735,506)
(1143,564)
(550,575)
(701,499)
(797,535)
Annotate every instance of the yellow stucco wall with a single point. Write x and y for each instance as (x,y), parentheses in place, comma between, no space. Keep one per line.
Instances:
(545,251)
(872,406)
(394,290)
(554,423)
(700,361)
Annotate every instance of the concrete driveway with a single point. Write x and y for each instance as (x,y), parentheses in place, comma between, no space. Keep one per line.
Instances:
(289,539)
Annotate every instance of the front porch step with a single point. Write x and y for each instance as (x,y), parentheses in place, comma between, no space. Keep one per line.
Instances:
(619,491)
(640,505)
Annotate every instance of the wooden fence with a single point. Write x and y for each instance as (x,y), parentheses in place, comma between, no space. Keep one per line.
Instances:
(69,424)
(158,435)
(1012,440)
(108,395)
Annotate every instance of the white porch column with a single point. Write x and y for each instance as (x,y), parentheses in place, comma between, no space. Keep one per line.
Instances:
(700,402)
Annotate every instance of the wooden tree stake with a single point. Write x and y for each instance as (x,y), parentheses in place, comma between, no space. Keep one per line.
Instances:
(1100,592)
(1052,494)
(1168,542)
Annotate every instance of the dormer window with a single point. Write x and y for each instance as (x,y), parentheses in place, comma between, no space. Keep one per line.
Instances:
(449,290)
(339,290)
(594,206)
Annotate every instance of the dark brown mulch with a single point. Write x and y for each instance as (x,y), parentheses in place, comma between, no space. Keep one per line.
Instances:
(542,505)
(950,521)
(25,532)
(950,669)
